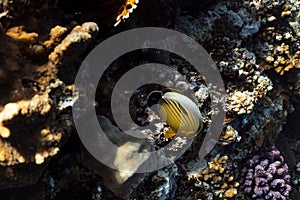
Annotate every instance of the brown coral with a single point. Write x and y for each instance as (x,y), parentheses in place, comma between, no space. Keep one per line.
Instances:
(74,44)
(56,35)
(282,37)
(17,33)
(282,60)
(218,177)
(32,131)
(230,135)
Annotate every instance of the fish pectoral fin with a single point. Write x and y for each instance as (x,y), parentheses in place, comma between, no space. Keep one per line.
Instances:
(169,134)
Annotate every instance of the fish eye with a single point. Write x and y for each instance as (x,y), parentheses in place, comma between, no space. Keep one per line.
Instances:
(147,110)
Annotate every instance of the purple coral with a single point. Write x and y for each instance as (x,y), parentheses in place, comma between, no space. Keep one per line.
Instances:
(265,176)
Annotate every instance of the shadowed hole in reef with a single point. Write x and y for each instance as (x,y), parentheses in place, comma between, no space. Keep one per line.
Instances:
(26,137)
(285,142)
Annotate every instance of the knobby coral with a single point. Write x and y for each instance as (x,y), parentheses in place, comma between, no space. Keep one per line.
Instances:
(265,176)
(217,178)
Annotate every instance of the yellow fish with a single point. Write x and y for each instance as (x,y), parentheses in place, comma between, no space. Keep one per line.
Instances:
(181,114)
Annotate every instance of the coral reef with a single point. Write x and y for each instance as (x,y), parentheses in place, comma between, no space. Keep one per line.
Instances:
(255,45)
(229,135)
(266,176)
(247,83)
(158,185)
(216,180)
(277,48)
(34,121)
(232,33)
(74,44)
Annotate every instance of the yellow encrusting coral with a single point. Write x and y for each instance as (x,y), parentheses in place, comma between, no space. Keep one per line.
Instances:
(73,44)
(56,35)
(17,33)
(41,156)
(127,8)
(9,155)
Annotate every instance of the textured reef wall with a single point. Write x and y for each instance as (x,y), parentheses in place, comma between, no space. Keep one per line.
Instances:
(256,47)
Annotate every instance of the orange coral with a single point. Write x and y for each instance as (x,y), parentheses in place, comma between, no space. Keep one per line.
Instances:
(128,8)
(56,35)
(18,34)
